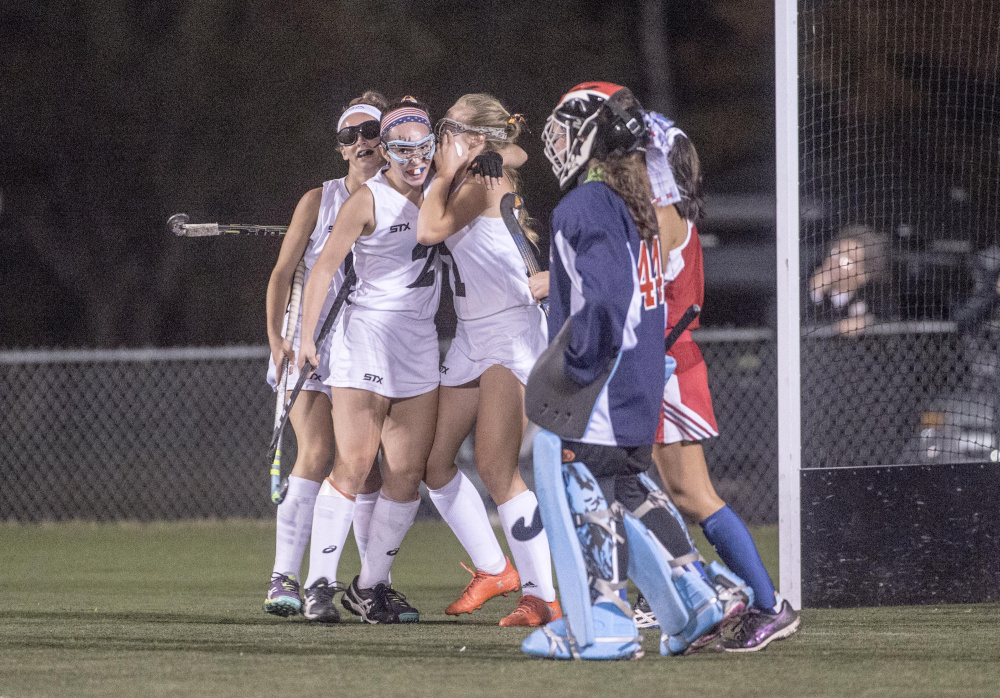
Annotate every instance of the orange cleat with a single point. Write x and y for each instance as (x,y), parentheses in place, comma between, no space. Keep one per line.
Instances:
(531,612)
(484,587)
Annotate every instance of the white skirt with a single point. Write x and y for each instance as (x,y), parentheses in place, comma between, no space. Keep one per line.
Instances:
(513,338)
(315,381)
(386,353)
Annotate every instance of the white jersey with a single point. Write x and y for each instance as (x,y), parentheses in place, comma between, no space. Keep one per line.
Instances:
(488,275)
(395,273)
(334,195)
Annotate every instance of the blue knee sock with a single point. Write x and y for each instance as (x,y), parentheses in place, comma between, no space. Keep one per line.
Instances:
(729,536)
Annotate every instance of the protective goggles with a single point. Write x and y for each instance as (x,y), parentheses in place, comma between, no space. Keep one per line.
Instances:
(456,127)
(405,151)
(348,135)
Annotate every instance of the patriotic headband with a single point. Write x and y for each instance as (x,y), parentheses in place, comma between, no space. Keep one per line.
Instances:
(662,134)
(359,109)
(404,115)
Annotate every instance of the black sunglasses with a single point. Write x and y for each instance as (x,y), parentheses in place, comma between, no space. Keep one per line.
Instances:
(349,134)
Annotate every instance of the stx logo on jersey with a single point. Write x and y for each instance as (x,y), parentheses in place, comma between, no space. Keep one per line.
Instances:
(371,377)
(399,227)
(443,369)
(651,279)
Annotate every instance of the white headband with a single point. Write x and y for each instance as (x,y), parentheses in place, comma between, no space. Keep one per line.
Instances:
(359,109)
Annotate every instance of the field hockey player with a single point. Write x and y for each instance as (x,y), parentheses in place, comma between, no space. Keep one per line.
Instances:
(500,333)
(357,135)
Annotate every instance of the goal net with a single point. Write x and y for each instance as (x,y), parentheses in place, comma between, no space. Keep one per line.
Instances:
(890,184)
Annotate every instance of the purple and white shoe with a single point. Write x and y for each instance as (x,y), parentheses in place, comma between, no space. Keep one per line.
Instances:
(283,597)
(756,629)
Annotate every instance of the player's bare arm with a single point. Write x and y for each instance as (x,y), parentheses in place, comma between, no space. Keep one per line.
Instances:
(293,246)
(356,218)
(441,215)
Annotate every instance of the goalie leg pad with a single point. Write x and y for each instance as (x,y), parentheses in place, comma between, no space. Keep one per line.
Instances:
(571,571)
(705,608)
(582,537)
(649,568)
(732,590)
(616,638)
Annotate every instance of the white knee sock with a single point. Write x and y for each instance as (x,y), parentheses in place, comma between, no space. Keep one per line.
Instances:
(531,557)
(331,523)
(364,505)
(463,510)
(390,522)
(295,518)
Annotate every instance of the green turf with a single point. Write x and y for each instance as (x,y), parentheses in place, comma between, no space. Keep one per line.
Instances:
(174,610)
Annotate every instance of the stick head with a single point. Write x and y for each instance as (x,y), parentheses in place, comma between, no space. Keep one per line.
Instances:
(175,224)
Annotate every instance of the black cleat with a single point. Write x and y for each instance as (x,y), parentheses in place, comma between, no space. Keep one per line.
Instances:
(319,606)
(405,613)
(380,605)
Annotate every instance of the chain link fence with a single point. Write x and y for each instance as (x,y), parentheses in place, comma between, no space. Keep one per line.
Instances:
(166,434)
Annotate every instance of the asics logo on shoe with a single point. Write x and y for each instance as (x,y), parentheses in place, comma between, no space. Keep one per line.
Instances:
(392,552)
(330,549)
(522,532)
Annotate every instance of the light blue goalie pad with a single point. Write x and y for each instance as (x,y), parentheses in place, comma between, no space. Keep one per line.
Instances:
(730,587)
(571,571)
(649,568)
(705,609)
(616,637)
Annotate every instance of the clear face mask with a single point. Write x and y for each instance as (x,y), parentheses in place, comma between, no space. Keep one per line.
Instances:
(409,151)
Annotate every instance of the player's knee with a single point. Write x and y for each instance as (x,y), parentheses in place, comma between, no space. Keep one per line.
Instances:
(696,505)
(500,479)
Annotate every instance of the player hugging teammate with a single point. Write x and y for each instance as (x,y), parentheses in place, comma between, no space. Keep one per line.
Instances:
(600,389)
(380,403)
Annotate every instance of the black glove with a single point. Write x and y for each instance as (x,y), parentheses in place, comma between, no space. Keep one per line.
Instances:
(488,164)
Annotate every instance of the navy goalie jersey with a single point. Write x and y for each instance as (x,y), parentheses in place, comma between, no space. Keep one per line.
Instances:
(606,277)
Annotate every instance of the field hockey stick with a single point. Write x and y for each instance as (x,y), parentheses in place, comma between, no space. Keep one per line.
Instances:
(308,368)
(686,319)
(279,487)
(179,226)
(510,204)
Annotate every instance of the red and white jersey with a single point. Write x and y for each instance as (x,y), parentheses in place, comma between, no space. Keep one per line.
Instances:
(684,286)
(684,278)
(488,274)
(395,273)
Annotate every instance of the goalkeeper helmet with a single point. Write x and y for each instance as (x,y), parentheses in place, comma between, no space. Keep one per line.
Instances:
(592,120)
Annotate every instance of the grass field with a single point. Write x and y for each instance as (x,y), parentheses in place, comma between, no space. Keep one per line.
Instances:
(174,610)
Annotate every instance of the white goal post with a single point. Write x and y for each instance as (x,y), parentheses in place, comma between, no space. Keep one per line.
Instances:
(789,372)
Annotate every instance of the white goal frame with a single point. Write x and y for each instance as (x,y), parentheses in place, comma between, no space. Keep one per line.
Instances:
(789,324)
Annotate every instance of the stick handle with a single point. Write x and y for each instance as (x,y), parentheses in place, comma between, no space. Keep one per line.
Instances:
(291,325)
(308,368)
(509,205)
(686,319)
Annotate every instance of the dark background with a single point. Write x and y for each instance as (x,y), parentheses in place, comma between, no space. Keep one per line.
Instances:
(115,114)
